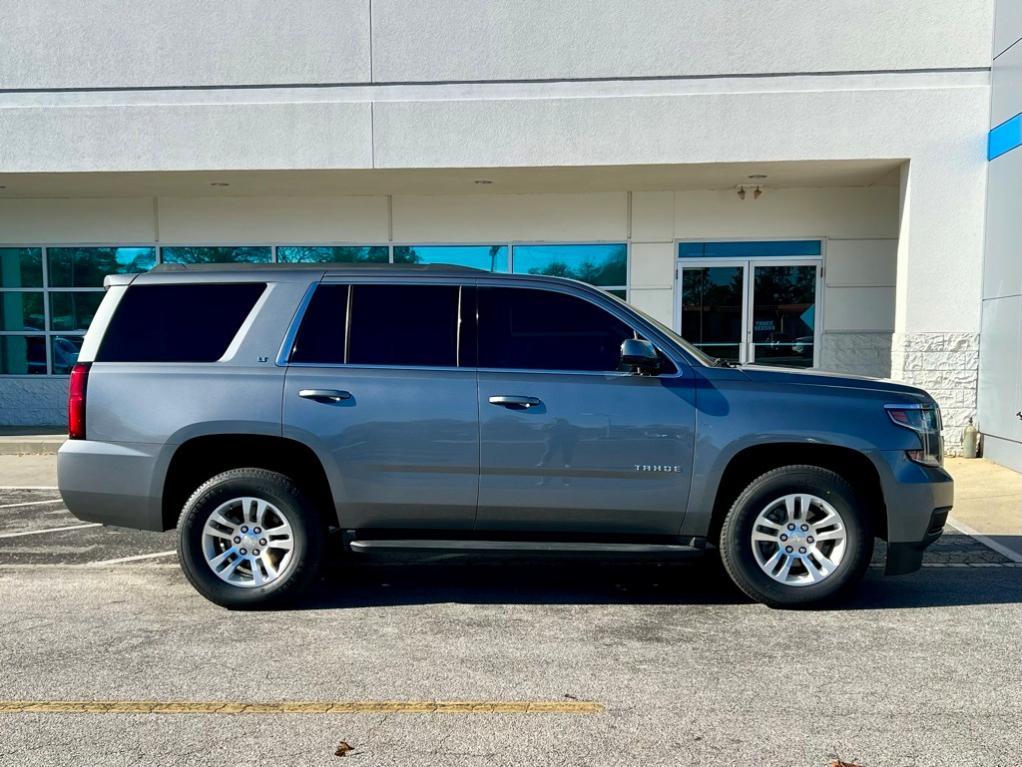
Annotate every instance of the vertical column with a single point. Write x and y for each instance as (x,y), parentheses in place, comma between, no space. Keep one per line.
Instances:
(936,337)
(651,277)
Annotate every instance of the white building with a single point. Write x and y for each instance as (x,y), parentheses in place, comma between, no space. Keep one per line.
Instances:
(794,181)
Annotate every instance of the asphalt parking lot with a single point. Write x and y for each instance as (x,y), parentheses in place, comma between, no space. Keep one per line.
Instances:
(566,661)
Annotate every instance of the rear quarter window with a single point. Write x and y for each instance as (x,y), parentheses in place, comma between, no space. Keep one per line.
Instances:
(177,323)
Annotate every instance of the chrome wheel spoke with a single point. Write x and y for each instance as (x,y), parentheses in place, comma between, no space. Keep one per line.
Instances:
(782,574)
(837,534)
(759,537)
(282,543)
(220,559)
(815,573)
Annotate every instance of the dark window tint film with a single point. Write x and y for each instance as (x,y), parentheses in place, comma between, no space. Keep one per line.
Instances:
(321,336)
(407,325)
(177,323)
(544,330)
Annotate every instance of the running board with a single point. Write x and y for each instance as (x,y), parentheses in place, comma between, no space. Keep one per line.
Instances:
(531,547)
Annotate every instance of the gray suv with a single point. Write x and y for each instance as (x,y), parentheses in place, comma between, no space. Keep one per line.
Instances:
(259,409)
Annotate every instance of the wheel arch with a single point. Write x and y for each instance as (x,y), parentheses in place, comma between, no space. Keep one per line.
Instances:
(753,461)
(199,458)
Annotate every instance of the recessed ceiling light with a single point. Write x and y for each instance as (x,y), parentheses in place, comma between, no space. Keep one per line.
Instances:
(758,176)
(482,181)
(219,183)
(2,186)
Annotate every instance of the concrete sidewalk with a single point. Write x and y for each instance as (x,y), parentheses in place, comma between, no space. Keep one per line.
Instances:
(988,503)
(31,440)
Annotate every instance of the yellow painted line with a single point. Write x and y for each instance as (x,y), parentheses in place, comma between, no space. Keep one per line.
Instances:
(301,707)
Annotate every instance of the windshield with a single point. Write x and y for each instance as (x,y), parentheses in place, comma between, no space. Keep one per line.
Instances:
(700,355)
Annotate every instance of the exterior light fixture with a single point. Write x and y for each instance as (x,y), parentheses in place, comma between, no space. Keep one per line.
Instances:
(741,193)
(756,194)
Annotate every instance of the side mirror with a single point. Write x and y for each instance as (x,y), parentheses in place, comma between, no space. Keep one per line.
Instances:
(640,355)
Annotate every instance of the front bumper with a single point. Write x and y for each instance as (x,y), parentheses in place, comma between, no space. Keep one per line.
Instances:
(918,500)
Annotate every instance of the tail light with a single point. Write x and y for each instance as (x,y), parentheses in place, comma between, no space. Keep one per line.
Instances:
(76,401)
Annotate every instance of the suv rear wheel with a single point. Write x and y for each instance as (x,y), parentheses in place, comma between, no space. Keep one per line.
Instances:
(248,538)
(796,536)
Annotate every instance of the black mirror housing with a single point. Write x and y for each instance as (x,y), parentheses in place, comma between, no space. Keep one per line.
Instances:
(640,355)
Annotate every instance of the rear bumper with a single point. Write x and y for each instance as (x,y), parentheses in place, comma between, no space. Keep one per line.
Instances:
(110,483)
(918,500)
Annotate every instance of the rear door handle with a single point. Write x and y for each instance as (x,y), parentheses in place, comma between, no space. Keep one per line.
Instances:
(324,395)
(514,401)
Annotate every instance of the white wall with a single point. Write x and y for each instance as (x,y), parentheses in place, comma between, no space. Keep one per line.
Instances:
(111,43)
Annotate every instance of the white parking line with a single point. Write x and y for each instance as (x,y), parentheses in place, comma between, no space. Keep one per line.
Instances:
(135,558)
(50,530)
(31,503)
(1001,549)
(28,487)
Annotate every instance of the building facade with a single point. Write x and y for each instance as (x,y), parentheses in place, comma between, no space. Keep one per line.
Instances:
(778,184)
(1000,360)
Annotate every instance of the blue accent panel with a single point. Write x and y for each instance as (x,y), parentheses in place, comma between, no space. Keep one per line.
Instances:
(769,248)
(1005,137)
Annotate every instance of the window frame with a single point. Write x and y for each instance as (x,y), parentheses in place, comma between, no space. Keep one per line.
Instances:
(749,262)
(676,356)
(287,346)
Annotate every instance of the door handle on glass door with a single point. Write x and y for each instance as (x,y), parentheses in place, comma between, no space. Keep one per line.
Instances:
(514,401)
(324,395)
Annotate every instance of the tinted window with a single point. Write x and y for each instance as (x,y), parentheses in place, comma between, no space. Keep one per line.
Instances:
(177,323)
(539,329)
(320,338)
(404,325)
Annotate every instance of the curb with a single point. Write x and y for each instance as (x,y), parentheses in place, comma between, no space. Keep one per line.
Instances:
(30,446)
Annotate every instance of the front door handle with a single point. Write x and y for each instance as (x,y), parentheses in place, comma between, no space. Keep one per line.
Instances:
(324,395)
(514,401)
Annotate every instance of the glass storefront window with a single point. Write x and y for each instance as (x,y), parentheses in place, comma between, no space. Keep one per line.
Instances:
(492,258)
(246,254)
(86,267)
(65,353)
(602,264)
(73,309)
(335,254)
(21,267)
(21,310)
(22,355)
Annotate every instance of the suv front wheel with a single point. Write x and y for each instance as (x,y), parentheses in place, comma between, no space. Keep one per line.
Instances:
(248,538)
(796,536)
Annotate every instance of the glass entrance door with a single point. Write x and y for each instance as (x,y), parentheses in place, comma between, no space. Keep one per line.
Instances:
(747,310)
(784,315)
(713,309)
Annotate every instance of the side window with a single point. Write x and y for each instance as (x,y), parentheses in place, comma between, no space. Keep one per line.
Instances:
(177,323)
(521,328)
(407,325)
(320,338)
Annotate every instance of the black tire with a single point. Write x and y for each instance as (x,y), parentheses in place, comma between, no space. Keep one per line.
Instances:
(736,546)
(306,526)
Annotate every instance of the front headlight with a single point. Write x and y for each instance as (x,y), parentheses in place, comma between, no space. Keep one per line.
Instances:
(924,420)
